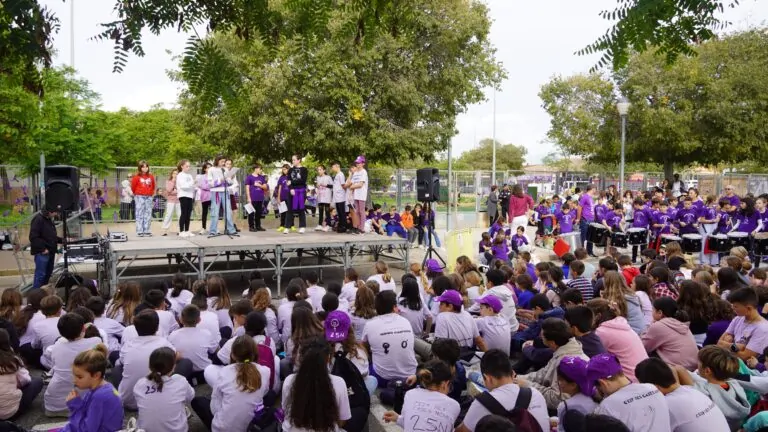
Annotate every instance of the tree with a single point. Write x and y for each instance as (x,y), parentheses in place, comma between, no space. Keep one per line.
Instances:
(509,157)
(705,110)
(394,100)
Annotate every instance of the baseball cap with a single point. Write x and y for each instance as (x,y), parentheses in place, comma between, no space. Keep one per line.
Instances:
(451,297)
(575,369)
(360,159)
(433,265)
(336,326)
(491,301)
(601,366)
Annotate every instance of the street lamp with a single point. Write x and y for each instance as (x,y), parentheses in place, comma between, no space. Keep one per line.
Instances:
(623,107)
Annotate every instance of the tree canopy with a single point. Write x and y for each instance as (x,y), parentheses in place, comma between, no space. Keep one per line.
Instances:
(707,109)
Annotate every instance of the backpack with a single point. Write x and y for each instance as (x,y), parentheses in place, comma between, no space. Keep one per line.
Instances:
(519,415)
(359,399)
(267,358)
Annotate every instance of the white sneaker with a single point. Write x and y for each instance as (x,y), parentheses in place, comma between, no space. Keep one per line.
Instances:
(319,228)
(190,234)
(301,230)
(203,232)
(182,234)
(286,231)
(326,229)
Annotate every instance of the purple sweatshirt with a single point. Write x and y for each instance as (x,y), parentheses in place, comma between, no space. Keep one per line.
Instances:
(205,188)
(97,410)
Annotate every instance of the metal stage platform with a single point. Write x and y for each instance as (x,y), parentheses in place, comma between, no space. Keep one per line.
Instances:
(271,251)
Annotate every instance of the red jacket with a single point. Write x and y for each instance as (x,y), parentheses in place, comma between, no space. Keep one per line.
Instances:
(629,274)
(143,184)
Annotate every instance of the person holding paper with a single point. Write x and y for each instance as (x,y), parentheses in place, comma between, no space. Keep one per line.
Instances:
(257,186)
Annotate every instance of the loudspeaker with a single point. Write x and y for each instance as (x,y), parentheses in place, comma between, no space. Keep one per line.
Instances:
(428,184)
(61,188)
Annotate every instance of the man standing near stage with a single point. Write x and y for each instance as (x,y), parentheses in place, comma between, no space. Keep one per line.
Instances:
(43,241)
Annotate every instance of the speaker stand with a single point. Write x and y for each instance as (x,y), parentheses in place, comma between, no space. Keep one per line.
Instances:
(431,251)
(65,276)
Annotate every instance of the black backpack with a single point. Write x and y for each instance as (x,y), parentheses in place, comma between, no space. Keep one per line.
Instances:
(519,415)
(359,399)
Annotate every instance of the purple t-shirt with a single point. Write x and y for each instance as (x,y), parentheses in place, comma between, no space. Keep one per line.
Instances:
(500,251)
(546,221)
(482,245)
(689,217)
(641,219)
(519,240)
(284,192)
(532,272)
(734,200)
(754,335)
(672,212)
(566,221)
(256,193)
(391,220)
(587,207)
(722,225)
(763,217)
(601,212)
(664,219)
(747,224)
(698,204)
(613,219)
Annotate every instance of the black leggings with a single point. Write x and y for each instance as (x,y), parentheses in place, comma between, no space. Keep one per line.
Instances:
(324,207)
(206,207)
(186,213)
(254,219)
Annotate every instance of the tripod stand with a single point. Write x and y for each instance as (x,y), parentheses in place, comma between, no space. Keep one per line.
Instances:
(66,279)
(431,251)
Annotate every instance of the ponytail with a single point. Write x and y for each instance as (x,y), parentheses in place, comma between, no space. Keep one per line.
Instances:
(93,360)
(157,378)
(246,355)
(434,373)
(179,282)
(161,363)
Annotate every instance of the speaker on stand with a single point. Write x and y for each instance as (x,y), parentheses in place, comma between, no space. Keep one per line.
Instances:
(61,190)
(428,191)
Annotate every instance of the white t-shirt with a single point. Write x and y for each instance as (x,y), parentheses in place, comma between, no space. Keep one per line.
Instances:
(426,410)
(134,356)
(210,321)
(224,319)
(342,401)
(284,312)
(578,402)
(692,411)
(113,329)
(458,326)
(163,411)
(180,302)
(391,337)
(45,332)
(641,407)
(495,331)
(383,286)
(324,188)
(339,193)
(62,356)
(272,330)
(168,322)
(194,344)
(29,336)
(417,318)
(231,407)
(348,292)
(316,294)
(507,396)
(360,176)
(358,324)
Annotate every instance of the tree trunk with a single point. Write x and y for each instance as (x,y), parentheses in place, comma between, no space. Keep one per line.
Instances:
(669,169)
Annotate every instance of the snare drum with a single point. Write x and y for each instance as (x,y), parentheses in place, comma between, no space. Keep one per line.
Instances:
(739,239)
(619,239)
(719,243)
(638,236)
(760,245)
(597,233)
(692,243)
(573,239)
(668,238)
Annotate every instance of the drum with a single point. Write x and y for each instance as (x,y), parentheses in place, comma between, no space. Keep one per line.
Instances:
(719,243)
(597,233)
(692,243)
(573,239)
(739,239)
(668,238)
(619,239)
(638,236)
(760,245)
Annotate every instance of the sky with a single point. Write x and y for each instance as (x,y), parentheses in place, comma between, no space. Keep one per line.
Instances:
(534,40)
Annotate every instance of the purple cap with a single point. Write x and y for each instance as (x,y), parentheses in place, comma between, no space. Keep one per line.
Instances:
(360,159)
(575,369)
(337,326)
(434,266)
(451,297)
(491,301)
(601,366)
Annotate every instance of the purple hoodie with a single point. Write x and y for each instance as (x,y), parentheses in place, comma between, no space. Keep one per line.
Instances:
(205,188)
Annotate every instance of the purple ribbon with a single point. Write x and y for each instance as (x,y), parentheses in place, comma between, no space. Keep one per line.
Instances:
(299,195)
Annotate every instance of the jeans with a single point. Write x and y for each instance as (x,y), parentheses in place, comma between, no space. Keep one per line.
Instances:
(583,227)
(43,268)
(186,213)
(216,201)
(143,213)
(396,229)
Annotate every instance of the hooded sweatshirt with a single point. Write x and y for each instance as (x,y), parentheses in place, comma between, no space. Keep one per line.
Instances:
(620,340)
(673,342)
(534,330)
(508,310)
(629,274)
(635,315)
(545,379)
(732,402)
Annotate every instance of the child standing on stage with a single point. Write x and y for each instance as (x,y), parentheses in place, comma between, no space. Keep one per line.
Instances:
(359,187)
(257,186)
(171,201)
(324,191)
(339,197)
(204,195)
(220,199)
(297,183)
(282,193)
(143,188)
(185,185)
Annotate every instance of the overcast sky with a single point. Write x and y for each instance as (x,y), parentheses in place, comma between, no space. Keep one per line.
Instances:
(535,40)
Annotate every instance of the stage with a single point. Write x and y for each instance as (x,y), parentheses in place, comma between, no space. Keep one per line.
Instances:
(267,251)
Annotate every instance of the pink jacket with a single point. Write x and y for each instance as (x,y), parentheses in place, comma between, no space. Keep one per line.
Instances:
(673,342)
(620,340)
(519,206)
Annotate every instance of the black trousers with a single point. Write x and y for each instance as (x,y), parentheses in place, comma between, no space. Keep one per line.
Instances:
(186,213)
(324,215)
(206,206)
(254,219)
(292,212)
(341,213)
(284,215)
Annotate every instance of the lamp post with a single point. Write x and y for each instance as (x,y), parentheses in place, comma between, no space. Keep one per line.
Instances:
(493,162)
(623,107)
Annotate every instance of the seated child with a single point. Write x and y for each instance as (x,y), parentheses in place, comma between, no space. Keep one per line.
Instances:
(96,407)
(493,328)
(572,381)
(192,342)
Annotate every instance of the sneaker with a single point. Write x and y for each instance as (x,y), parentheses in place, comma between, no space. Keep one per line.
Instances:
(234,234)
(260,229)
(301,230)
(165,234)
(281,229)
(326,229)
(286,231)
(147,234)
(213,234)
(293,229)
(190,234)
(319,228)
